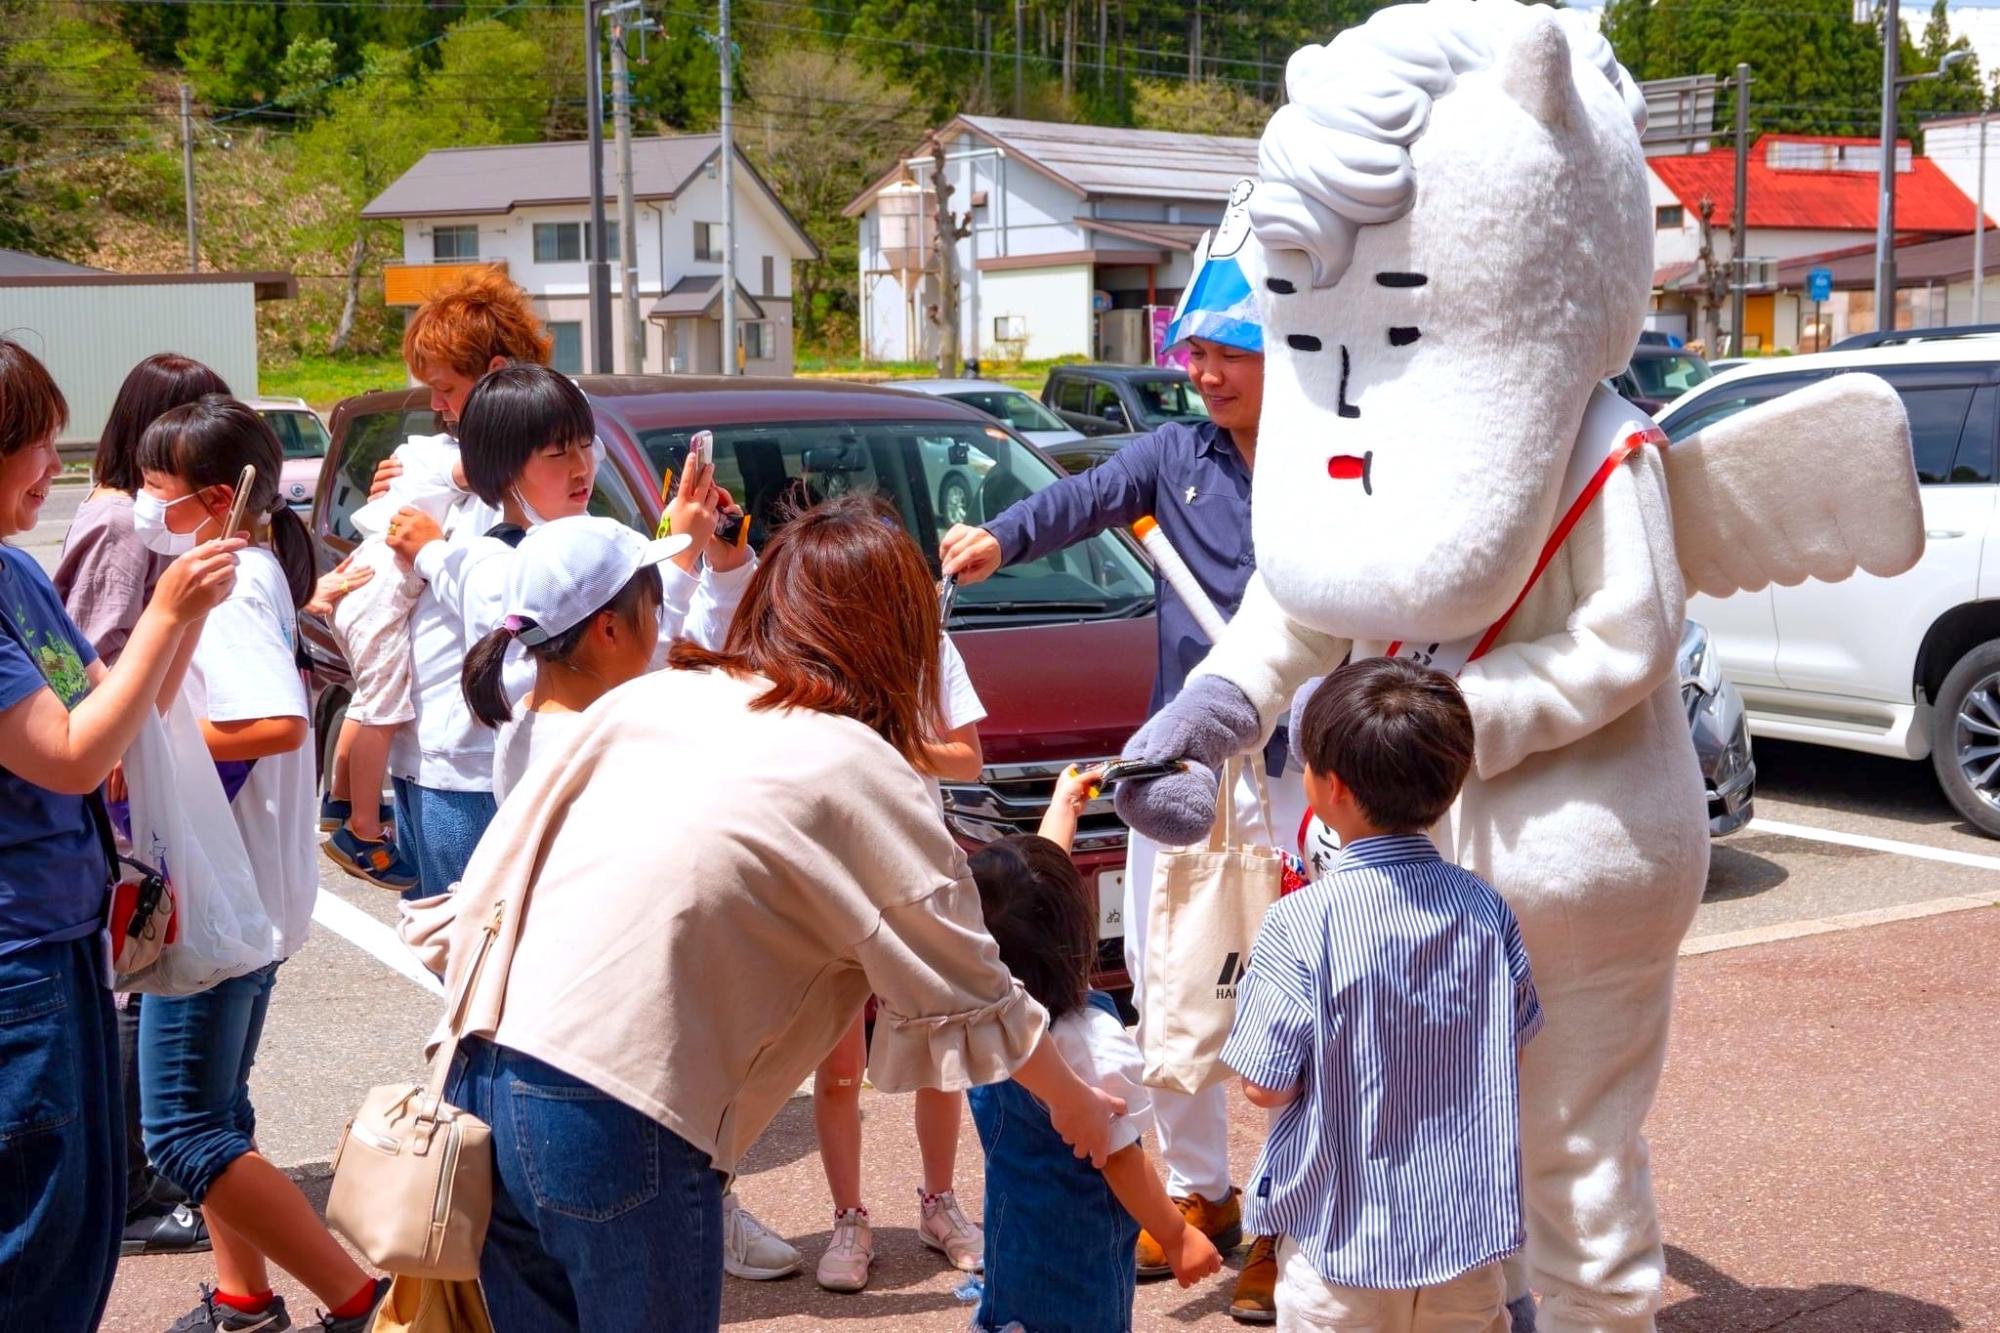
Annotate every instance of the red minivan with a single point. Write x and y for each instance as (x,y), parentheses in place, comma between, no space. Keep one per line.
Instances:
(1061,649)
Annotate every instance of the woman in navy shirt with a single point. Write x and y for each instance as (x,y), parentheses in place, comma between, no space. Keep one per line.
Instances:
(65,721)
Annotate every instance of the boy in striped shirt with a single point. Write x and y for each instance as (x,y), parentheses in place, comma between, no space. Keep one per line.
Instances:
(1380,1018)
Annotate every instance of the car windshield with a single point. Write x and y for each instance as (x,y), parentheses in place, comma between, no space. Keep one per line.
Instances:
(300,434)
(932,474)
(1668,377)
(1163,400)
(1013,408)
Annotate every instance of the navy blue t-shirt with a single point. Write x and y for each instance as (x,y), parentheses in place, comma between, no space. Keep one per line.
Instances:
(52,872)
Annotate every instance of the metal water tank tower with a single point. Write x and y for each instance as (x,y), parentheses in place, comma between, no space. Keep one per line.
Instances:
(905,209)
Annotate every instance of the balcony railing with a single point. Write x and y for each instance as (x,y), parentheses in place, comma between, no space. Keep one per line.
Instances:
(413,284)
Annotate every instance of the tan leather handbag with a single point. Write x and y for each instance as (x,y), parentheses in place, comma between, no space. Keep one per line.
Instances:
(413,1175)
(432,1305)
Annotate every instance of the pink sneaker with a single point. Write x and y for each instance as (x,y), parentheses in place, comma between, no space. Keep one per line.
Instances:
(946,1229)
(844,1266)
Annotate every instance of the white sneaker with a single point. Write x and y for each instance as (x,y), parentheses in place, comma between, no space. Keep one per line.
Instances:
(749,1249)
(844,1266)
(950,1232)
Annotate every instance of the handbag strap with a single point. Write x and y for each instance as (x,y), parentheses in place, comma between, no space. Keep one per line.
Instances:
(455,1014)
(93,801)
(1225,833)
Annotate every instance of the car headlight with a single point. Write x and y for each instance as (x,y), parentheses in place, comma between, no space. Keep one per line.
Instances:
(1699,663)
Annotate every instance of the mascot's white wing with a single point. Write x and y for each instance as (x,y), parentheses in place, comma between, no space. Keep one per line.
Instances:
(1816,484)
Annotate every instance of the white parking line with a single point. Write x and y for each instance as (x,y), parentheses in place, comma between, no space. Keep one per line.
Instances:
(364,932)
(1791,930)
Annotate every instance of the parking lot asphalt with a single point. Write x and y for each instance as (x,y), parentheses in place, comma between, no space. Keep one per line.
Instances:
(1821,1148)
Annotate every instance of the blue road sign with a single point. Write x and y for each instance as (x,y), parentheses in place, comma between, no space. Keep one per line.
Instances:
(1819,284)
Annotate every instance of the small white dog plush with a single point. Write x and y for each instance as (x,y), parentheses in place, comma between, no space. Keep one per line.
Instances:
(1458,235)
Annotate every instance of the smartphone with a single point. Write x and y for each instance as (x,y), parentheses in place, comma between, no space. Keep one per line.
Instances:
(244,481)
(947,597)
(701,450)
(1141,770)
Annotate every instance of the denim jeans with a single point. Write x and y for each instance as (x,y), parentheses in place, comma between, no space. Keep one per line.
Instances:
(195,1053)
(1060,1248)
(436,831)
(602,1217)
(62,1155)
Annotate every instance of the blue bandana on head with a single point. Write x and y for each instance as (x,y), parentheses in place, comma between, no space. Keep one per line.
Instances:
(1219,304)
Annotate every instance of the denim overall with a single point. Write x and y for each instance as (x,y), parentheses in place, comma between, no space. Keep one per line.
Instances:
(1060,1248)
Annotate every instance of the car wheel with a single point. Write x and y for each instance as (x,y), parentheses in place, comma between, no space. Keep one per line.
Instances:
(955,500)
(1965,738)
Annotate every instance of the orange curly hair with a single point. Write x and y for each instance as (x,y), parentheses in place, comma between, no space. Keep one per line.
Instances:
(467,324)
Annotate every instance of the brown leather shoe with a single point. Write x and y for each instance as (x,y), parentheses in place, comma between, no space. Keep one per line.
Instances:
(1221,1222)
(1256,1298)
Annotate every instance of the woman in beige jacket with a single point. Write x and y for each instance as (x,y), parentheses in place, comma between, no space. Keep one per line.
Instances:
(736,853)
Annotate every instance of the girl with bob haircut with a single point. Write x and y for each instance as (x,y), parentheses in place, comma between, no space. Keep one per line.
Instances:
(752,813)
(195,1051)
(66,719)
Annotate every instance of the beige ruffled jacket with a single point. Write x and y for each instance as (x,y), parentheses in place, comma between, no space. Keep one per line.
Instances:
(711,896)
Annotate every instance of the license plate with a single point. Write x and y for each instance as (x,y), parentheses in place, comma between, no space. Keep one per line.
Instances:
(1111,905)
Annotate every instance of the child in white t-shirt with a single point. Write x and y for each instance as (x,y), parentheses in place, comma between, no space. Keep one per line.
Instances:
(372,623)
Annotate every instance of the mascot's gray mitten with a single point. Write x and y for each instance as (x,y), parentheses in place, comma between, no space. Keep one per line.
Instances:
(1205,725)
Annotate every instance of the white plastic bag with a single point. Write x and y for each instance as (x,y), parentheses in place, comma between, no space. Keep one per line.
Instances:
(181,824)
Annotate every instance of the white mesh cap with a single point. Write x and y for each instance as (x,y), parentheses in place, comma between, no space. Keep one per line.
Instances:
(565,570)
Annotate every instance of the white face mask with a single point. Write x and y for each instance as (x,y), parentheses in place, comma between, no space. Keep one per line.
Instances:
(149,520)
(528,511)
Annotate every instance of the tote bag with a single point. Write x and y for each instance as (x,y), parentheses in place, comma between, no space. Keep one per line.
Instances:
(1207,903)
(432,1305)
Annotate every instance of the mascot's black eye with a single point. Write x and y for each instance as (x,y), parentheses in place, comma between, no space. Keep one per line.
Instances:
(1403,335)
(1280,286)
(1302,342)
(1401,279)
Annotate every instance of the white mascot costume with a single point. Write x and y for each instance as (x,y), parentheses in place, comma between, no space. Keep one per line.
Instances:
(1458,235)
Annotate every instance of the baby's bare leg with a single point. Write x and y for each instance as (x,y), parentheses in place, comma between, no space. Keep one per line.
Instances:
(367,766)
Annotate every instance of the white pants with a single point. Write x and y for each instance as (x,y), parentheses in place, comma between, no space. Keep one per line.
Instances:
(1307,1302)
(1194,1128)
(373,626)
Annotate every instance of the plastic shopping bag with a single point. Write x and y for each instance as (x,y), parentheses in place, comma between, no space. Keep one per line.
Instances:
(181,823)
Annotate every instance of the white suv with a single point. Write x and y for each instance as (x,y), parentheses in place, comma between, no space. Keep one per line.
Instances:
(1909,666)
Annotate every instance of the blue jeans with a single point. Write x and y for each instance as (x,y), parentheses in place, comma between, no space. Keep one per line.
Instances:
(195,1053)
(62,1149)
(1060,1248)
(602,1217)
(436,831)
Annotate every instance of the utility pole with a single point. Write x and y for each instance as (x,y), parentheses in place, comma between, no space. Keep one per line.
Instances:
(1885,208)
(187,178)
(1019,42)
(599,265)
(1739,230)
(628,231)
(730,365)
(950,231)
(1979,232)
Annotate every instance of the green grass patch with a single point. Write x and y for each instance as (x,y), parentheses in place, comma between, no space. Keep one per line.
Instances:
(1029,375)
(325,380)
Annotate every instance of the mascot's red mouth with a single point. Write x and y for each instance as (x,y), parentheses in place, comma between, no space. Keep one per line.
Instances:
(1354,467)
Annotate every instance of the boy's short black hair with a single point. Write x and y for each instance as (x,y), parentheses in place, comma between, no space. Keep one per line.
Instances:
(512,413)
(1037,913)
(1396,734)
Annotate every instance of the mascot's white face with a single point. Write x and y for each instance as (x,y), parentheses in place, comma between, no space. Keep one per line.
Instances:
(1465,182)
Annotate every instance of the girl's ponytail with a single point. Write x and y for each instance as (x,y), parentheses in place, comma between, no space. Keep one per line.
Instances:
(482,678)
(293,546)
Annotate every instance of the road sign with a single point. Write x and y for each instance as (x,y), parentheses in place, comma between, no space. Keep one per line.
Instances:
(1819,285)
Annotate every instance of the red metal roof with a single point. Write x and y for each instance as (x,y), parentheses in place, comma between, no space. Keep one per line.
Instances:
(1926,200)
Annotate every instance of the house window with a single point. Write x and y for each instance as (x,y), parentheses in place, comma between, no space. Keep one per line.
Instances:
(1669,217)
(1010,328)
(454,243)
(758,344)
(770,276)
(708,242)
(569,242)
(568,354)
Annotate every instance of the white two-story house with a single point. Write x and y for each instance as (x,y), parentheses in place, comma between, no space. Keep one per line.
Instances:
(525,208)
(1082,237)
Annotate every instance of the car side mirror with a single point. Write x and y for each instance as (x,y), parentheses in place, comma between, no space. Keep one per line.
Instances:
(1114,414)
(960,453)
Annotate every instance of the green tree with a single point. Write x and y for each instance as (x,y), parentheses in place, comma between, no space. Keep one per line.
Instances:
(153,29)
(307,74)
(232,52)
(1208,106)
(495,71)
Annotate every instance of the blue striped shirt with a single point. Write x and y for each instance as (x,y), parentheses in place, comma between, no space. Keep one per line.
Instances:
(1394,993)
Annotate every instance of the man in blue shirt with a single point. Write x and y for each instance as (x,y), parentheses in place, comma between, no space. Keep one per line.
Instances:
(1381,1016)
(1194,480)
